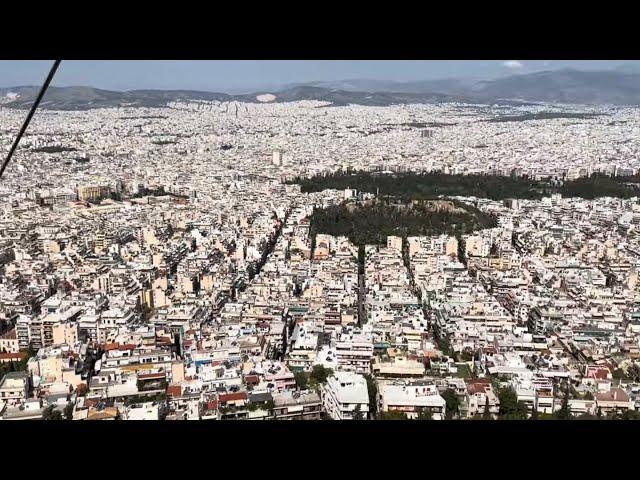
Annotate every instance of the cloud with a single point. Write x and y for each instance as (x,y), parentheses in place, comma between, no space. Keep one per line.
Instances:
(513,64)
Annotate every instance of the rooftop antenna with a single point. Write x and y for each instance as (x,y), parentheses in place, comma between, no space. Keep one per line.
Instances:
(41,93)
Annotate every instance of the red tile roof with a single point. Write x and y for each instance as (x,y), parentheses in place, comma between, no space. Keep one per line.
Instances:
(616,394)
(174,390)
(479,385)
(600,373)
(232,397)
(12,356)
(478,388)
(484,380)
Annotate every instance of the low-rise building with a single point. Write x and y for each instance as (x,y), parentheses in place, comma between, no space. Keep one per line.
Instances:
(344,395)
(14,388)
(412,398)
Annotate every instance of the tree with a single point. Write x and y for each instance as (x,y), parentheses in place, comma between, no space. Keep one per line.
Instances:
(372,387)
(50,413)
(630,415)
(510,407)
(508,401)
(302,380)
(587,416)
(425,414)
(444,345)
(486,415)
(357,413)
(82,389)
(545,416)
(46,413)
(393,415)
(452,405)
(466,355)
(319,375)
(522,411)
(251,271)
(633,371)
(462,256)
(564,413)
(618,374)
(68,411)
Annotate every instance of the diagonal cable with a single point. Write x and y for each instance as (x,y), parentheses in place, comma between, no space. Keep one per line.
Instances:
(41,93)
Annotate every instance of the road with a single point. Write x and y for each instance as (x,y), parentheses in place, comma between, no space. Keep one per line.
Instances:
(361,295)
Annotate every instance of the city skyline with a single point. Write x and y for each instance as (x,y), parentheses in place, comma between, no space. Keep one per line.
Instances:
(320,254)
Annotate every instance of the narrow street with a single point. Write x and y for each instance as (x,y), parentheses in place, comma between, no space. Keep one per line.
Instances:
(361,291)
(361,295)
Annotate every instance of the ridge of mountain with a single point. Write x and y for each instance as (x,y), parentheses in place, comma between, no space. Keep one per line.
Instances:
(612,87)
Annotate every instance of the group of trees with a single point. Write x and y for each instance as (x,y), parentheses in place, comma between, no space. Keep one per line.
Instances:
(373,223)
(429,185)
(393,415)
(302,379)
(425,414)
(542,116)
(601,186)
(452,404)
(19,366)
(444,345)
(54,149)
(513,409)
(372,388)
(631,372)
(426,185)
(315,379)
(51,413)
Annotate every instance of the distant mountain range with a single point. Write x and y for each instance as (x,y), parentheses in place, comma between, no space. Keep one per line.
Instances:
(616,87)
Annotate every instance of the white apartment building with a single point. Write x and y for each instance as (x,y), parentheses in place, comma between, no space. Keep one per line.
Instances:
(343,394)
(411,398)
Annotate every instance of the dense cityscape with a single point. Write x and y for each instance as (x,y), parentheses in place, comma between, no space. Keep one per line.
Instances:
(170,264)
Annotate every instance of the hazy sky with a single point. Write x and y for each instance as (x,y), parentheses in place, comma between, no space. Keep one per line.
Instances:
(246,75)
